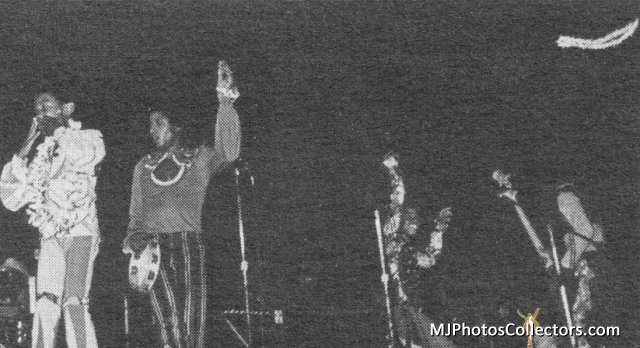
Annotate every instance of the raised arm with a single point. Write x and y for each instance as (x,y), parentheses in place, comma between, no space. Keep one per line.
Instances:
(227,134)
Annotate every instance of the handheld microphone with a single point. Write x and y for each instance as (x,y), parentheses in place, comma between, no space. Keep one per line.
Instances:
(243,167)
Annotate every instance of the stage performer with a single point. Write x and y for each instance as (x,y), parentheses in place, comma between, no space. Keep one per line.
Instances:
(582,256)
(413,312)
(584,259)
(583,266)
(58,188)
(168,193)
(403,252)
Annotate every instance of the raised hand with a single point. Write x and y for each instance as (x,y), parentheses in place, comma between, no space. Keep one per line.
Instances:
(226,90)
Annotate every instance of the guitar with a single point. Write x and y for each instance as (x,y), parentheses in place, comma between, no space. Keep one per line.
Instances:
(145,265)
(442,224)
(504,181)
(415,258)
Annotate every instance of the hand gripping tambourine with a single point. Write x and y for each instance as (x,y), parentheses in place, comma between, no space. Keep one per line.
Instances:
(144,265)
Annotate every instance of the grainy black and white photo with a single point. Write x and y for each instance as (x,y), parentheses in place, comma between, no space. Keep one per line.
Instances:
(319,174)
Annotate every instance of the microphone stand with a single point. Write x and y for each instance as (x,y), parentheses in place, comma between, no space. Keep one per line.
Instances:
(563,289)
(385,280)
(244,265)
(126,321)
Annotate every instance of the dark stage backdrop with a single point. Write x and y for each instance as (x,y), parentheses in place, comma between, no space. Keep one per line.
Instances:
(457,89)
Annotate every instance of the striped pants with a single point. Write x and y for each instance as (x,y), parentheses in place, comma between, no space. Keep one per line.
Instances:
(179,295)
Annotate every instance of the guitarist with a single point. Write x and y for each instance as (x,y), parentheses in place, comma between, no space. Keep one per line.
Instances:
(417,262)
(168,193)
(583,242)
(400,231)
(585,263)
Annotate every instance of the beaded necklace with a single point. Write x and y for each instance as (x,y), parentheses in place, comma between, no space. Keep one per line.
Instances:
(184,165)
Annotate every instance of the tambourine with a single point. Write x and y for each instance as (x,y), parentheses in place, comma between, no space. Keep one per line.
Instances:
(144,267)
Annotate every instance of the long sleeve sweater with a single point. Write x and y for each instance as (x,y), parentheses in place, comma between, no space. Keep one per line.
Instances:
(178,207)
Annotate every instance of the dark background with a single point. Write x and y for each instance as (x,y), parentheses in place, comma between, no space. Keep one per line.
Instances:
(328,87)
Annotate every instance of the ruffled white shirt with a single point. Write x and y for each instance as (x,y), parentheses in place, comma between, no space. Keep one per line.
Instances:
(58,185)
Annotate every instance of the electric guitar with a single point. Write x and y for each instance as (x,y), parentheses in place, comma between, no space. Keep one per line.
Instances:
(410,265)
(503,181)
(442,224)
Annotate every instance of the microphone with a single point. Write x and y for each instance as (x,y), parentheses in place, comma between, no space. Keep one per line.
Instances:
(243,167)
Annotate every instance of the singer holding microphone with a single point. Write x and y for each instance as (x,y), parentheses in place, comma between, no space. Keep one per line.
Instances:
(58,188)
(167,196)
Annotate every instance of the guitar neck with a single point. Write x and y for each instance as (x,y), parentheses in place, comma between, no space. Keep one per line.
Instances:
(511,194)
(533,235)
